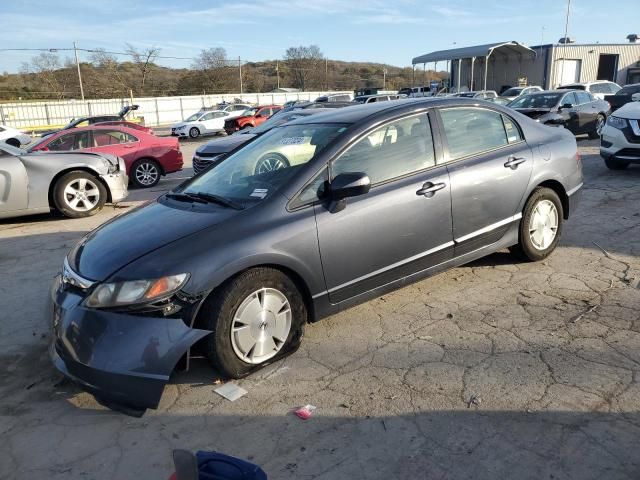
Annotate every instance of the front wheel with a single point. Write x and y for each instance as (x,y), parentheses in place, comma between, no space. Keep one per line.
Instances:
(541,225)
(270,162)
(613,164)
(145,173)
(256,318)
(194,132)
(600,121)
(79,194)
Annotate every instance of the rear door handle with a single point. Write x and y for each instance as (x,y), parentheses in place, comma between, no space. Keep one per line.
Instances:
(513,162)
(429,189)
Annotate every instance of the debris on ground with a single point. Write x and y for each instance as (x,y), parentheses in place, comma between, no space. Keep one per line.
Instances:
(217,381)
(591,309)
(475,399)
(231,391)
(305,412)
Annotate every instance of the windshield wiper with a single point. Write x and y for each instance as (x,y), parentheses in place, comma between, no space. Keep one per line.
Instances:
(204,197)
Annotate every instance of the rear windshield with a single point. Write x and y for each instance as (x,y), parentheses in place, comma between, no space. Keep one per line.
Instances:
(537,100)
(573,87)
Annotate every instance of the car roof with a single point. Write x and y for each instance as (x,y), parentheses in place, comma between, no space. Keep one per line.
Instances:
(357,113)
(124,128)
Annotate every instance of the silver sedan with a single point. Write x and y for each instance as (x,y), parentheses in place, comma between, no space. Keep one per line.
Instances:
(75,184)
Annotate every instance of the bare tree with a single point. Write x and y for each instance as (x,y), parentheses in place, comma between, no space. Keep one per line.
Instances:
(48,69)
(144,61)
(111,79)
(305,66)
(213,70)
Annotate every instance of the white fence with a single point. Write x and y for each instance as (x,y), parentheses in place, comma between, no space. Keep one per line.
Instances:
(33,116)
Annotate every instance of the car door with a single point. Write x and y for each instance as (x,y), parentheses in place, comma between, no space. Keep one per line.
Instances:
(208,121)
(13,183)
(587,111)
(569,112)
(116,142)
(402,226)
(489,166)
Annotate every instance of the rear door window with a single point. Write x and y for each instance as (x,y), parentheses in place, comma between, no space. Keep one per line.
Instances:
(102,138)
(470,131)
(583,97)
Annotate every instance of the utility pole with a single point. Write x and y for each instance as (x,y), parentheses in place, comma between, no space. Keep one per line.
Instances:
(278,73)
(326,73)
(75,50)
(564,48)
(240,69)
(384,79)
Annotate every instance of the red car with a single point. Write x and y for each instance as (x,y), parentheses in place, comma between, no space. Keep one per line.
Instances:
(147,157)
(250,118)
(124,123)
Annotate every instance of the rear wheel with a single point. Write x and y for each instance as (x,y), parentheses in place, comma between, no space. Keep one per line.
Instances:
(541,225)
(194,132)
(614,164)
(600,121)
(79,194)
(256,318)
(145,173)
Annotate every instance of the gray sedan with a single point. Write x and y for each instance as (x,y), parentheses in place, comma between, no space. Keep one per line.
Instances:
(235,261)
(75,184)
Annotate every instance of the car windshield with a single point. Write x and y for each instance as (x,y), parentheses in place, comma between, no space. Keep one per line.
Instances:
(275,120)
(512,92)
(537,100)
(37,142)
(259,170)
(250,112)
(193,117)
(572,87)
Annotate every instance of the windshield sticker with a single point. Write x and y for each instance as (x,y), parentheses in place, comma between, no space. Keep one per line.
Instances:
(259,193)
(293,140)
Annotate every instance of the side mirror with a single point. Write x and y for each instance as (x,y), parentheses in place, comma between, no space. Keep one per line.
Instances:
(350,184)
(565,106)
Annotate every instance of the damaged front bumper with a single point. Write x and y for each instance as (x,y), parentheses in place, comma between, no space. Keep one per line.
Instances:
(123,359)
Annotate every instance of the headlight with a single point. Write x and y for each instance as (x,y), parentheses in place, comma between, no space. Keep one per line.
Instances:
(136,291)
(616,122)
(181,127)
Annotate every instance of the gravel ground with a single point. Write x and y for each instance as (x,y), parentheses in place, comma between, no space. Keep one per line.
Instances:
(497,369)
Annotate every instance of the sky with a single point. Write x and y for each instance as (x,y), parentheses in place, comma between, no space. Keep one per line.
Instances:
(391,32)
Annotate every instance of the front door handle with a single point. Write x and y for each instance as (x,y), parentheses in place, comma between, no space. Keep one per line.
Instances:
(513,162)
(429,189)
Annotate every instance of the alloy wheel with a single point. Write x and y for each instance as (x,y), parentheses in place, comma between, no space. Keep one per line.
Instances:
(600,125)
(81,195)
(261,325)
(543,226)
(270,164)
(146,174)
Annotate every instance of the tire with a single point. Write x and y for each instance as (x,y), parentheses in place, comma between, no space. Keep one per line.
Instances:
(145,173)
(600,120)
(534,242)
(222,311)
(614,164)
(89,197)
(14,142)
(270,162)
(194,132)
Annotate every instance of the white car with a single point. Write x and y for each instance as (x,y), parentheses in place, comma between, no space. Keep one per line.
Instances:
(598,89)
(201,123)
(13,137)
(620,137)
(233,109)
(515,92)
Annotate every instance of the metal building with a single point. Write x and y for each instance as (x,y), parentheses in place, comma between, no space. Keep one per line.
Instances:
(494,65)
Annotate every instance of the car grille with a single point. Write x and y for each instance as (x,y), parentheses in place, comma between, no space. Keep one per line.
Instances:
(201,162)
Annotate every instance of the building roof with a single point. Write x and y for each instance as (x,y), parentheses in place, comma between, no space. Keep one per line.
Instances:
(474,51)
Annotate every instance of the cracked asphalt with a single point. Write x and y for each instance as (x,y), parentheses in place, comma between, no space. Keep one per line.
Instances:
(497,369)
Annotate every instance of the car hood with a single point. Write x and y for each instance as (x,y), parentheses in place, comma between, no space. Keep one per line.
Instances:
(181,124)
(115,244)
(630,111)
(225,144)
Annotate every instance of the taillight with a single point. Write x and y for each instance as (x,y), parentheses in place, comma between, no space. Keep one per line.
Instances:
(578,158)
